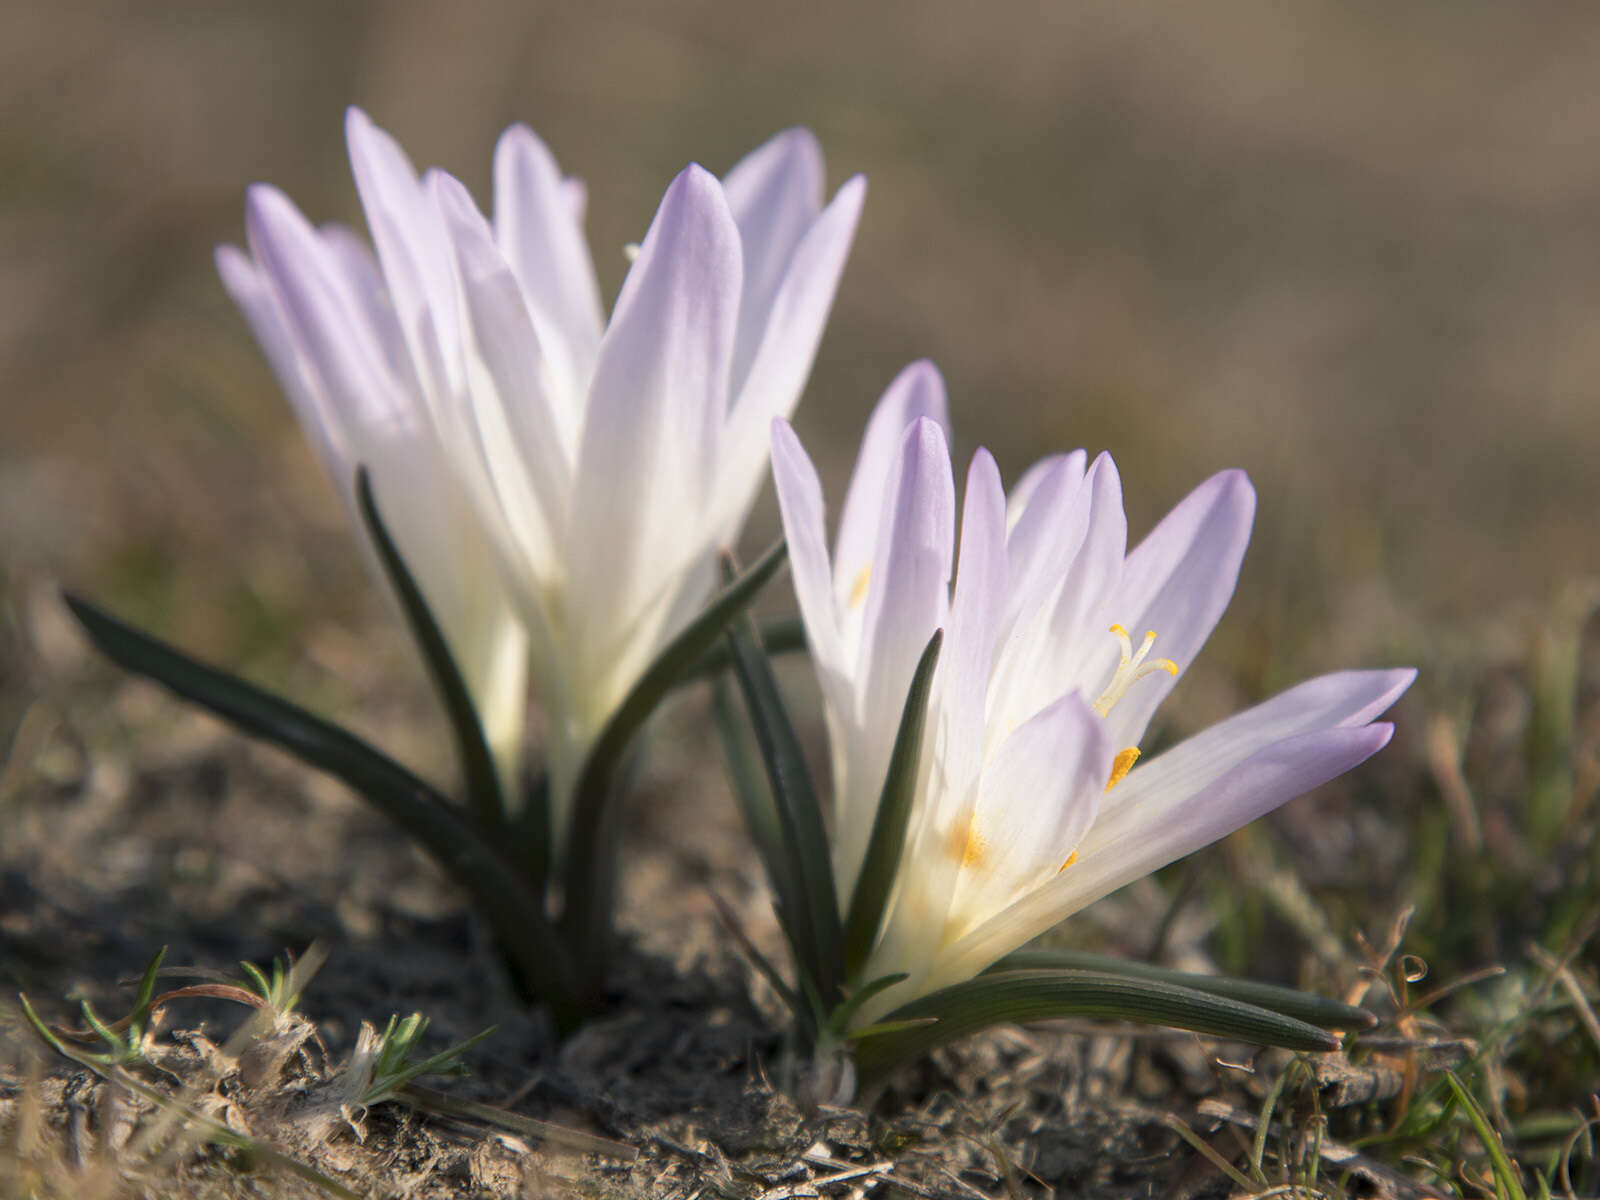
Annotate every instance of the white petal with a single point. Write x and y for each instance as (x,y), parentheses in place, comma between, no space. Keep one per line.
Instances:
(1051,519)
(1038,798)
(774,193)
(1058,633)
(975,611)
(1232,775)
(337,348)
(1178,582)
(542,238)
(907,599)
(1028,482)
(801,506)
(918,391)
(412,249)
(792,327)
(253,295)
(520,441)
(650,434)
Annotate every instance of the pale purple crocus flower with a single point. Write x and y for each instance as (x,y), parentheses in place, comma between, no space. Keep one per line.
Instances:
(1028,804)
(559,484)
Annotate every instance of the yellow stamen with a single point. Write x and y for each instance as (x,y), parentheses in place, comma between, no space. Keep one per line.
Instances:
(858,589)
(1071,858)
(1131,668)
(1121,765)
(973,854)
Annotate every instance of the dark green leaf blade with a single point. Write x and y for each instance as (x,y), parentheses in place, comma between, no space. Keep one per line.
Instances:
(814,919)
(995,999)
(587,918)
(780,635)
(515,914)
(882,860)
(1303,1006)
(485,798)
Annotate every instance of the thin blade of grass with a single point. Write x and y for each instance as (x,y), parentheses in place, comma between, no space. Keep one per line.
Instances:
(780,635)
(1303,1006)
(884,847)
(1507,1182)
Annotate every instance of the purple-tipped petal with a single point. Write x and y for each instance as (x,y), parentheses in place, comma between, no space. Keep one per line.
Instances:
(411,247)
(775,194)
(650,436)
(1178,582)
(542,238)
(917,391)
(792,321)
(804,515)
(1256,786)
(520,439)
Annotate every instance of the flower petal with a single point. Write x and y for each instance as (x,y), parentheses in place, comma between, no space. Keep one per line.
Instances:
(801,506)
(792,321)
(411,247)
(650,434)
(541,236)
(918,391)
(774,193)
(1038,798)
(253,295)
(1028,482)
(516,430)
(1260,783)
(1178,582)
(906,600)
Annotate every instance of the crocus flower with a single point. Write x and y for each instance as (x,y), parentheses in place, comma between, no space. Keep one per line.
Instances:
(1029,804)
(598,466)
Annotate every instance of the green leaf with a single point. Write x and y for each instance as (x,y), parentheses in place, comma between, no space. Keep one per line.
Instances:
(1314,1010)
(780,635)
(538,960)
(1507,1179)
(591,838)
(987,1000)
(882,860)
(478,771)
(840,1020)
(818,934)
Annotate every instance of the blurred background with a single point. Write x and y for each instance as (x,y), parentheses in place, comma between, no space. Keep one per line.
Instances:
(1352,248)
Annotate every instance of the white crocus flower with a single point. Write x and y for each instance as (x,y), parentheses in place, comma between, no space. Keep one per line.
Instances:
(602,464)
(1028,804)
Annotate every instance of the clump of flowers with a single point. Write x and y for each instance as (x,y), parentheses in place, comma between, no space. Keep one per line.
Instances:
(543,491)
(980,801)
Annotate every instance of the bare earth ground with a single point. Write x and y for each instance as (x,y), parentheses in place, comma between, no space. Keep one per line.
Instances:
(1354,249)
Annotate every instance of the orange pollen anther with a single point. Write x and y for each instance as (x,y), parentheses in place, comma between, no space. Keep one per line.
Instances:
(1071,858)
(1121,765)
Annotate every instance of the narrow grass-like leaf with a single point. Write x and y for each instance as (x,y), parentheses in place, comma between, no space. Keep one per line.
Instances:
(485,799)
(590,838)
(988,1000)
(840,1020)
(814,918)
(1303,1006)
(1508,1184)
(147,989)
(882,861)
(735,928)
(538,960)
(780,635)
